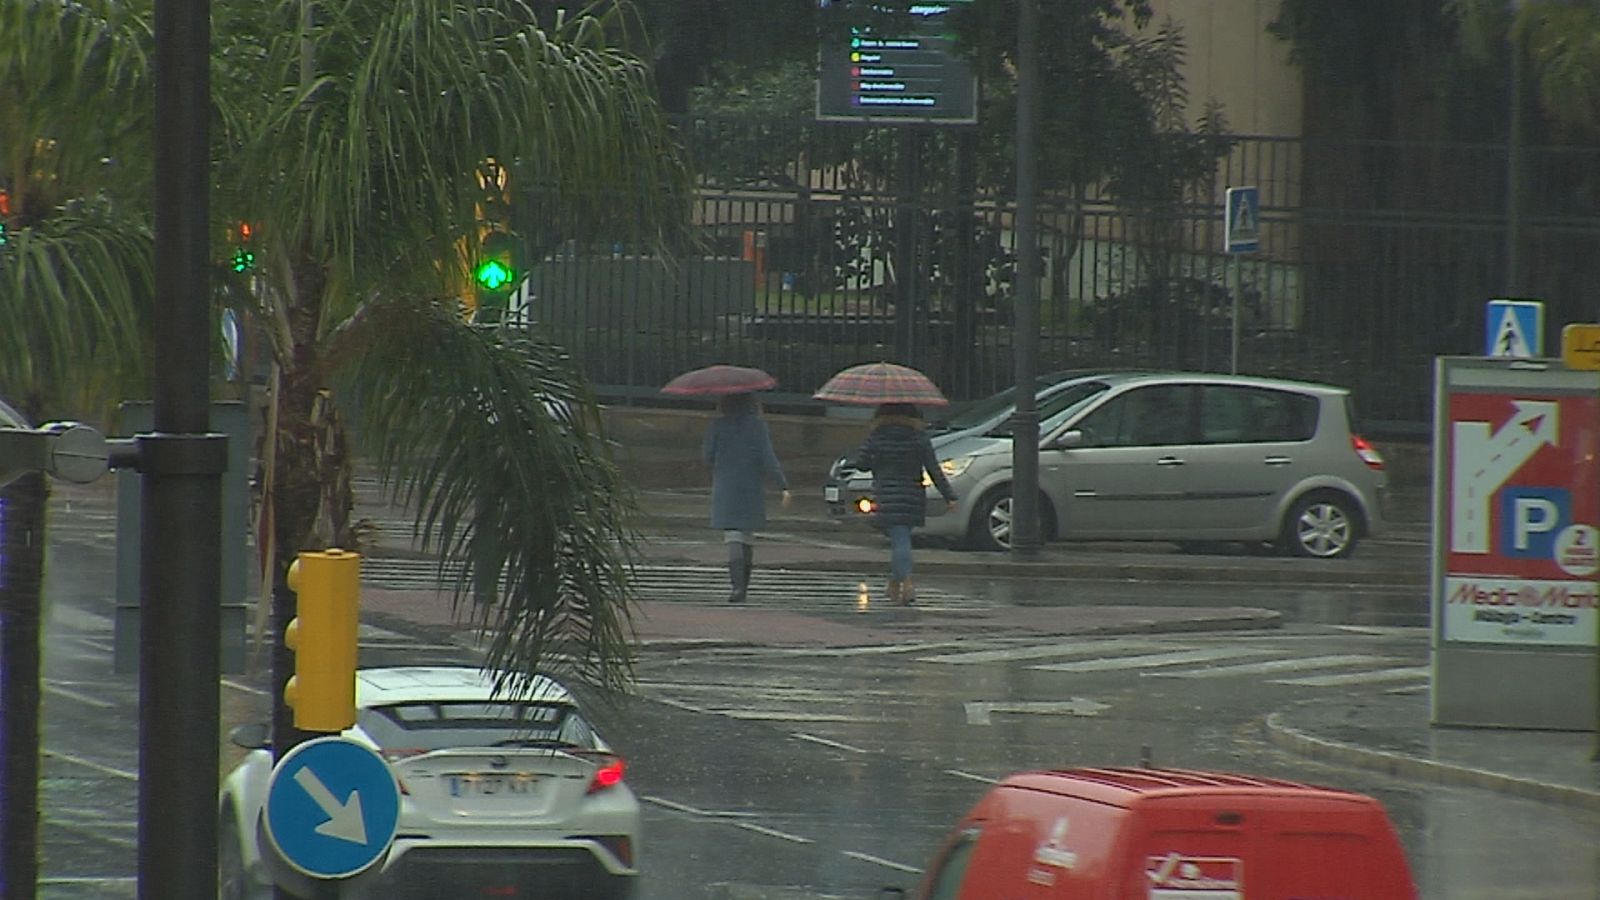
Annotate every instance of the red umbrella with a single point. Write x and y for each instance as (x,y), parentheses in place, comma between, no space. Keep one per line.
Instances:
(873,383)
(715,381)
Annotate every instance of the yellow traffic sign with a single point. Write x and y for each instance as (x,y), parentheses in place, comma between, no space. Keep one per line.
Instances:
(1580,346)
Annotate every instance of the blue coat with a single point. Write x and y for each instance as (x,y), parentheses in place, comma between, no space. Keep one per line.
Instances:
(898,452)
(739,450)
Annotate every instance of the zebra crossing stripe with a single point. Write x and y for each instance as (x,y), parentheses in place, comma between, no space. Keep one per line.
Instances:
(1152,660)
(1400,674)
(1275,665)
(1040,651)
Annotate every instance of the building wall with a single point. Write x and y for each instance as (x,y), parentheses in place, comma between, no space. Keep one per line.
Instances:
(1233,59)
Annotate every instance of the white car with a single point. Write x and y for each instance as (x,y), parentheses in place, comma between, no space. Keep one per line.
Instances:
(500,796)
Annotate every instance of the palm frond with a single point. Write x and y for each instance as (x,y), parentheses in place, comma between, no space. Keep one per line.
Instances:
(75,294)
(495,439)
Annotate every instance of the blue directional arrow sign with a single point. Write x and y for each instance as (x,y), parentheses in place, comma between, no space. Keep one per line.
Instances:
(332,808)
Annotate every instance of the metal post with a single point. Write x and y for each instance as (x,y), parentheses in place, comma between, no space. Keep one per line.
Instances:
(1514,285)
(182,463)
(1238,288)
(1025,427)
(905,264)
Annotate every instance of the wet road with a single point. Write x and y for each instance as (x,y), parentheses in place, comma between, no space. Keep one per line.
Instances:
(831,772)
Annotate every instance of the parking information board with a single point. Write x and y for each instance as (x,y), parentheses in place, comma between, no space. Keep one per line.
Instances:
(914,77)
(1521,551)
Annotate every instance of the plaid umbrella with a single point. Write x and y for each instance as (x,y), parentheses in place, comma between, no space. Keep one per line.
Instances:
(715,381)
(873,383)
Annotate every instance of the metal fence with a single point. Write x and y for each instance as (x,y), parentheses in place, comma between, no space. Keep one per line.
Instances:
(820,246)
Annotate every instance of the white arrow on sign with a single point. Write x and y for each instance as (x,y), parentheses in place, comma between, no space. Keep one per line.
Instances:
(979,711)
(1483,462)
(344,819)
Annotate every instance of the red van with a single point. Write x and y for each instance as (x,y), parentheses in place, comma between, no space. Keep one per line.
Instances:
(1168,834)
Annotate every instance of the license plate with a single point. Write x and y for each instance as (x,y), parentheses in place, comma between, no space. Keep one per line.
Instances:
(491,784)
(830,494)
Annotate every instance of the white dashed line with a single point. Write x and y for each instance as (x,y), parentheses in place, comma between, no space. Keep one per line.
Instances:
(827,743)
(887,863)
(773,832)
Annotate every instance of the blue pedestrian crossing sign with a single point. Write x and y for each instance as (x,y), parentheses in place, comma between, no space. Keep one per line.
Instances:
(1515,329)
(333,807)
(1241,221)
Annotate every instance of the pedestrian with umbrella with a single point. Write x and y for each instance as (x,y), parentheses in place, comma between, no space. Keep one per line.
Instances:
(897,452)
(738,447)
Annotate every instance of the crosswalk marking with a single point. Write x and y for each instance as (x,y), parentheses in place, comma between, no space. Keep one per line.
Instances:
(1152,660)
(1272,666)
(790,588)
(1041,651)
(1400,674)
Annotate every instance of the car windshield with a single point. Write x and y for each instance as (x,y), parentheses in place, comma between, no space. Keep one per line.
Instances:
(1055,409)
(979,412)
(435,725)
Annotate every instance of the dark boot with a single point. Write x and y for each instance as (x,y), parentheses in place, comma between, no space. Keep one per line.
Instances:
(739,571)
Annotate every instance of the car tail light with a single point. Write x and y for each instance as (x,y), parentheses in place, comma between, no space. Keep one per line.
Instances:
(608,775)
(1368,453)
(865,504)
(395,754)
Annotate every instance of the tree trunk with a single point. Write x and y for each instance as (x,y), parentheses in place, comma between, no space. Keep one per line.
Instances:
(22,513)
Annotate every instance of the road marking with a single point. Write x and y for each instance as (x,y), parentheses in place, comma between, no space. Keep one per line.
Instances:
(971,776)
(1152,660)
(1361,677)
(242,687)
(1274,665)
(74,695)
(827,743)
(679,704)
(880,861)
(88,879)
(864,650)
(773,832)
(979,712)
(778,715)
(696,811)
(93,832)
(1041,651)
(90,764)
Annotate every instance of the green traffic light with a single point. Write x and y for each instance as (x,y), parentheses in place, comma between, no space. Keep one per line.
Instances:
(243,260)
(492,274)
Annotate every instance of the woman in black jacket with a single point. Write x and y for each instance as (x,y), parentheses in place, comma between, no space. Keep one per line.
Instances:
(897,452)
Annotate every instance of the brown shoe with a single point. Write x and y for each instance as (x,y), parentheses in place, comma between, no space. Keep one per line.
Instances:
(894,591)
(908,594)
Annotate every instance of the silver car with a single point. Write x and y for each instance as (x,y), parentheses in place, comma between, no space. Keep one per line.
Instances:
(1185,457)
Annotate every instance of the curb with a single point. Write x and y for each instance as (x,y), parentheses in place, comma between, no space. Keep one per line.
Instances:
(1294,740)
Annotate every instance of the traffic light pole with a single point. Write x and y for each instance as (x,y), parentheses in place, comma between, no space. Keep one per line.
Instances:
(181,464)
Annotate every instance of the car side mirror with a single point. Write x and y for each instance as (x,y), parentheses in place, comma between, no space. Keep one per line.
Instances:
(1066,440)
(250,736)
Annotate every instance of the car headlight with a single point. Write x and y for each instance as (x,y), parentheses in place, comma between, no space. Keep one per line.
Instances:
(954,467)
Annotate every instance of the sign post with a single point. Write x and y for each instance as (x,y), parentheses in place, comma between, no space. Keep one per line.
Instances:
(1580,349)
(1241,233)
(1516,544)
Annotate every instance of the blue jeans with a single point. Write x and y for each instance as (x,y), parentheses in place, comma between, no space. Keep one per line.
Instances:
(899,551)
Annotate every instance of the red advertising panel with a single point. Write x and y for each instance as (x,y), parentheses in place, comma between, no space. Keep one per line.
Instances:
(1521,550)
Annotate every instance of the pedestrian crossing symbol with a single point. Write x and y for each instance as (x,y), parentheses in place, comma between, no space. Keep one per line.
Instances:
(1241,225)
(1516,329)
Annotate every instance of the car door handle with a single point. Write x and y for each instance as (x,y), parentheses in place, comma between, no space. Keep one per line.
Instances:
(1169,461)
(1277,460)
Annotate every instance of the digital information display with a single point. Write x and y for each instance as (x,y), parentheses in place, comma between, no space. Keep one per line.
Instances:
(911,78)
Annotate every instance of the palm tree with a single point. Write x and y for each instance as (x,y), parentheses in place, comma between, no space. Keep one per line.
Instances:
(75,287)
(372,153)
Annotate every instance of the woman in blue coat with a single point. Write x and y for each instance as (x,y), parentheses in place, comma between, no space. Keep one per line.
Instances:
(739,450)
(897,452)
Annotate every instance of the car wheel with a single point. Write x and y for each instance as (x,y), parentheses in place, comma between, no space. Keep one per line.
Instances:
(233,883)
(990,528)
(1323,526)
